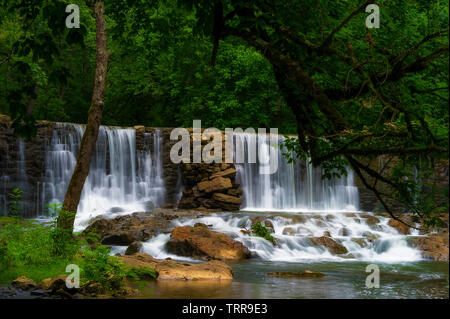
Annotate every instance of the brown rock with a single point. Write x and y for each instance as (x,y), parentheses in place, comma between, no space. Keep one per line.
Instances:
(401,228)
(201,243)
(370,236)
(433,247)
(217,184)
(5,118)
(135,247)
(265,222)
(235,192)
(371,220)
(24,283)
(139,128)
(360,241)
(92,288)
(213,269)
(229,172)
(124,230)
(329,243)
(187,202)
(227,199)
(173,270)
(344,232)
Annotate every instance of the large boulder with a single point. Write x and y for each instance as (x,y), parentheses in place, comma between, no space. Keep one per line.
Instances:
(296,274)
(399,226)
(201,243)
(330,244)
(217,184)
(135,247)
(433,247)
(265,222)
(173,270)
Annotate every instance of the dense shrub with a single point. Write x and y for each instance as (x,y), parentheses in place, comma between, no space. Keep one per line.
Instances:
(260,230)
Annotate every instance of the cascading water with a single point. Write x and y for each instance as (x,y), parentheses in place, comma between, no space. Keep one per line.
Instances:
(294,186)
(121,179)
(124,179)
(363,239)
(321,207)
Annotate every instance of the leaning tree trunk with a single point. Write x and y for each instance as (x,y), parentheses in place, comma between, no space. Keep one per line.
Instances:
(73,194)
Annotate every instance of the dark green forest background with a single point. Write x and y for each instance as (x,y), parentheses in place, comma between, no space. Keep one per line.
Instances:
(159,74)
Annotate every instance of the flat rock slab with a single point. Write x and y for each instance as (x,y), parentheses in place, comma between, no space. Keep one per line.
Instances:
(174,270)
(201,243)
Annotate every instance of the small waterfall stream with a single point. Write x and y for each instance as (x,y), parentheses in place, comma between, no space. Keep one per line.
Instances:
(294,186)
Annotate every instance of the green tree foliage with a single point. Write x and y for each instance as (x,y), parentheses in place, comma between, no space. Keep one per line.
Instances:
(353,95)
(33,43)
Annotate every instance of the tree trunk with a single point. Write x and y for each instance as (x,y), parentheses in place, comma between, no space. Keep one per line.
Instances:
(81,171)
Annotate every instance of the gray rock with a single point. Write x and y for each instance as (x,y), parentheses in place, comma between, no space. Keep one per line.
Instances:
(135,247)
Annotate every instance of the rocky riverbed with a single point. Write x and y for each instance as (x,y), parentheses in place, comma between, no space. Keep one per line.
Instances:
(201,240)
(207,249)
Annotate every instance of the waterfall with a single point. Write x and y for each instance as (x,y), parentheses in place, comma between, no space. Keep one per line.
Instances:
(124,178)
(294,186)
(121,179)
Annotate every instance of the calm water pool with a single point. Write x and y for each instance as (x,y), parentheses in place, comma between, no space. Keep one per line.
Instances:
(342,280)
